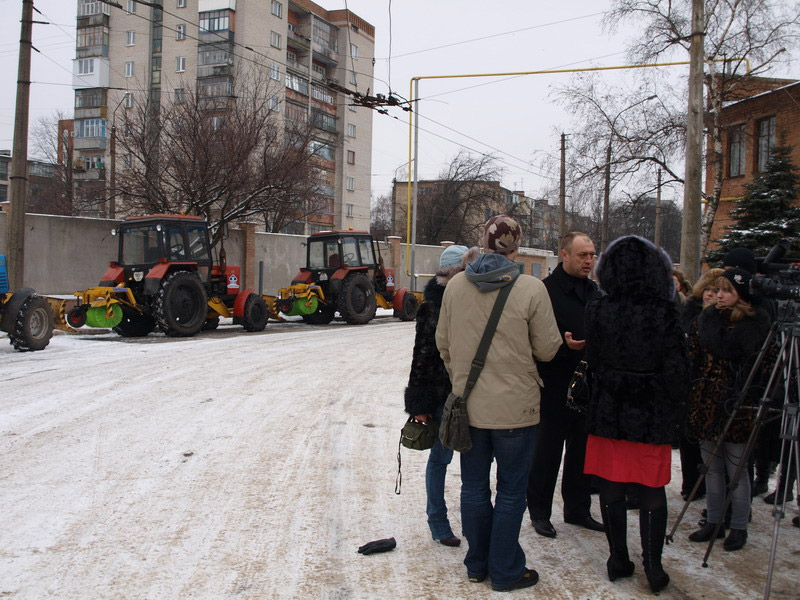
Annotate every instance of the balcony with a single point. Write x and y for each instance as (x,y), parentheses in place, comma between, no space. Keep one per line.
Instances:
(325,54)
(296,37)
(221,70)
(89,143)
(213,37)
(296,66)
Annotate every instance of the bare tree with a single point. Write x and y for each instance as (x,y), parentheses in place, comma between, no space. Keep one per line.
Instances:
(380,217)
(455,206)
(742,33)
(45,142)
(225,154)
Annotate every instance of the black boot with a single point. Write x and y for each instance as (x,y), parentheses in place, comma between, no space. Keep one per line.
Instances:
(615,523)
(653,528)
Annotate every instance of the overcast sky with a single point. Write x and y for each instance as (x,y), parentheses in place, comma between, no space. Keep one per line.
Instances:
(512,118)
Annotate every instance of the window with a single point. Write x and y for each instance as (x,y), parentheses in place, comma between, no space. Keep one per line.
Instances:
(351,130)
(217,123)
(90,98)
(131,38)
(91,7)
(736,153)
(180,95)
(274,39)
(297,83)
(131,7)
(348,211)
(353,51)
(180,64)
(275,72)
(215,20)
(127,100)
(766,142)
(130,67)
(322,150)
(353,79)
(324,34)
(364,244)
(319,70)
(86,66)
(322,94)
(181,4)
(277,8)
(323,120)
(212,55)
(127,161)
(351,107)
(93,162)
(90,128)
(180,31)
(273,102)
(351,157)
(351,184)
(88,37)
(296,112)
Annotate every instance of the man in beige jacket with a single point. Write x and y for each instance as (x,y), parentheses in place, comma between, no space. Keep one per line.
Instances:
(503,407)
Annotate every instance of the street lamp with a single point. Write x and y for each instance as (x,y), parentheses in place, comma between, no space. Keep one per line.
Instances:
(112,200)
(607,191)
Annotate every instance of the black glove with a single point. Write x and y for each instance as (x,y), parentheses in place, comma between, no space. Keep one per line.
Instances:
(378,546)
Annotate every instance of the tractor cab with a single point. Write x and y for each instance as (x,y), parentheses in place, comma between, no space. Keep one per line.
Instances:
(330,251)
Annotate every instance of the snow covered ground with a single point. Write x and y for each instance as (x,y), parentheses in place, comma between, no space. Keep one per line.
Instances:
(236,465)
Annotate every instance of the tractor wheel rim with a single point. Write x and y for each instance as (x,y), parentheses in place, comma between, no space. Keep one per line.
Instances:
(38,323)
(359,300)
(185,304)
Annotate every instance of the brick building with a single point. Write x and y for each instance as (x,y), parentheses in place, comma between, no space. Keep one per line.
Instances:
(760,114)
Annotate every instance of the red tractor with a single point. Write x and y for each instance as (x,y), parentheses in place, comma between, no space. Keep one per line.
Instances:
(344,272)
(165,278)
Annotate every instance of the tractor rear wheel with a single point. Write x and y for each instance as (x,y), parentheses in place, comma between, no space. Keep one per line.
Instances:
(410,305)
(256,313)
(323,316)
(181,305)
(135,324)
(210,324)
(33,327)
(357,300)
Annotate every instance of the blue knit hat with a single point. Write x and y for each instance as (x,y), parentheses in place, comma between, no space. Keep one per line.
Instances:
(452,255)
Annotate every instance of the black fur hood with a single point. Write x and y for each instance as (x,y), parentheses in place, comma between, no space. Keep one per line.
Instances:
(632,265)
(738,344)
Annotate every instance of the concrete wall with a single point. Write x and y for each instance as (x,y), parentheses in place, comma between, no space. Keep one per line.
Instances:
(64,254)
(67,254)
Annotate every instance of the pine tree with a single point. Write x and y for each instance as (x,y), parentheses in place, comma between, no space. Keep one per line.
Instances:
(767,213)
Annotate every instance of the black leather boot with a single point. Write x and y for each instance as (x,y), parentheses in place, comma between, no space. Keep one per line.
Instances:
(653,528)
(615,523)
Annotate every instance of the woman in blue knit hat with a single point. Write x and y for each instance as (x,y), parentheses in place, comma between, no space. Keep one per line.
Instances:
(429,385)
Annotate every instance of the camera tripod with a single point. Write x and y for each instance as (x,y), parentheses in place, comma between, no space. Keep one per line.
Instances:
(785,374)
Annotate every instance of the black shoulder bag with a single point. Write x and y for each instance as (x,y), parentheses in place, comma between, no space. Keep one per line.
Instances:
(454,429)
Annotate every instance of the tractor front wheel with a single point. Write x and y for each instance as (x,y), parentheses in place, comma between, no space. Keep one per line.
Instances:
(181,305)
(323,316)
(256,313)
(33,327)
(135,324)
(357,300)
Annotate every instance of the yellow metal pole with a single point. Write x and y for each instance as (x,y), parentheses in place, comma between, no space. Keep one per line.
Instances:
(413,100)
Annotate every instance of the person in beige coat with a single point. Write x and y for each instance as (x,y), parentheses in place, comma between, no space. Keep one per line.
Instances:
(503,407)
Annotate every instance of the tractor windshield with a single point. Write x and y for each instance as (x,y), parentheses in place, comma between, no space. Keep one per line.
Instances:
(324,254)
(139,245)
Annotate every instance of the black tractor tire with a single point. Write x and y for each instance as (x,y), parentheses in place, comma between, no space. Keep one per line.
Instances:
(410,306)
(357,303)
(256,313)
(323,316)
(33,326)
(210,324)
(76,318)
(135,324)
(181,304)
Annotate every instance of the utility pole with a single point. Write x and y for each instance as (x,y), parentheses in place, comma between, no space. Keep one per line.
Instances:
(692,192)
(606,198)
(657,235)
(562,192)
(18,184)
(112,200)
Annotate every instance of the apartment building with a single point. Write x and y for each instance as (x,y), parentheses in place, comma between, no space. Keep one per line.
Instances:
(133,50)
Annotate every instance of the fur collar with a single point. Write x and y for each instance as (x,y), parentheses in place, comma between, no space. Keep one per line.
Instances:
(434,291)
(737,343)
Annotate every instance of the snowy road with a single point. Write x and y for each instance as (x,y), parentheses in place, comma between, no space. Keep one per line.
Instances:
(252,466)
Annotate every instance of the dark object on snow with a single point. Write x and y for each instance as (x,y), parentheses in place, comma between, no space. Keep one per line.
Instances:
(383,545)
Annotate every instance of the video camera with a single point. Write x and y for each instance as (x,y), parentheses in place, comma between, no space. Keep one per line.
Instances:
(776,279)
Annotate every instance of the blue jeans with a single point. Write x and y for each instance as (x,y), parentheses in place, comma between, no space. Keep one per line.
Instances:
(435,472)
(726,461)
(492,531)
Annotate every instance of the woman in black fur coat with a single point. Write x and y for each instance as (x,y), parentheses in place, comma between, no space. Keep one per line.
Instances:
(636,351)
(723,344)
(429,385)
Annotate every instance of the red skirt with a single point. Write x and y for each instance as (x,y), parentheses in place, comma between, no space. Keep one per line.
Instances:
(628,462)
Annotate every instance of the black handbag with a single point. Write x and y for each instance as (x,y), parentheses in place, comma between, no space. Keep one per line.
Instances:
(454,430)
(417,435)
(579,390)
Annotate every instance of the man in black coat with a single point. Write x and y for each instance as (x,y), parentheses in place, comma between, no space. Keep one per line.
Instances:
(570,290)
